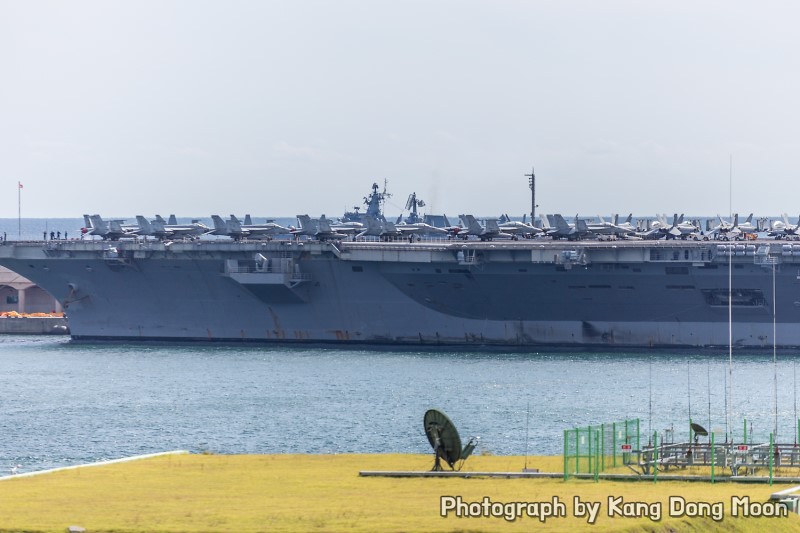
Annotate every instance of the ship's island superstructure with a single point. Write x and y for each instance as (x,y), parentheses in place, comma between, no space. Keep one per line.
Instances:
(527,293)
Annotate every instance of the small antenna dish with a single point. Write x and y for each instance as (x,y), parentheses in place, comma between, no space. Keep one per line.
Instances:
(444,439)
(699,431)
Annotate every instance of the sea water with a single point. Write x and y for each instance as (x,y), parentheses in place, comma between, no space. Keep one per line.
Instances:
(65,403)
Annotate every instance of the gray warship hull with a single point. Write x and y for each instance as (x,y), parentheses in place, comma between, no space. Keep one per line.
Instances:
(510,294)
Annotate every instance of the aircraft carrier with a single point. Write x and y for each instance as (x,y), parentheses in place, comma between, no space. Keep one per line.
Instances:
(525,294)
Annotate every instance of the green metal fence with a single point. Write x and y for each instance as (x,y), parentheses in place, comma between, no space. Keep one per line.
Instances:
(593,449)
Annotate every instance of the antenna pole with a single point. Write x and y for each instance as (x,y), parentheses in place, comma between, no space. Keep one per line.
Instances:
(725,390)
(527,421)
(689,387)
(708,377)
(774,354)
(532,184)
(729,412)
(650,421)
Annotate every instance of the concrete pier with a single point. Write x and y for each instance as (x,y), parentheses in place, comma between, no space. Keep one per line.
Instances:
(34,326)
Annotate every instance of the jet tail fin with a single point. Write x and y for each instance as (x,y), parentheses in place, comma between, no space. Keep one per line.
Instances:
(324,225)
(305,222)
(560,223)
(144,225)
(373,226)
(220,228)
(115,226)
(472,225)
(99,225)
(234,226)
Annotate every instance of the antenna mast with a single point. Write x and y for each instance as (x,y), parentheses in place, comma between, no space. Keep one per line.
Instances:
(729,402)
(527,420)
(774,354)
(532,184)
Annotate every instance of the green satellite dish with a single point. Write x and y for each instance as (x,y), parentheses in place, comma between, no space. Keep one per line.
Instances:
(444,439)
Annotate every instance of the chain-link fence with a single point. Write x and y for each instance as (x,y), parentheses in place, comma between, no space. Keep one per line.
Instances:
(593,449)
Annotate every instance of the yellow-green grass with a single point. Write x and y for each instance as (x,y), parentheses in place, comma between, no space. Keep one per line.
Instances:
(248,493)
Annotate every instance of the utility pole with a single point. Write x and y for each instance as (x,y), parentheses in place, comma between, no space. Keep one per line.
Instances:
(532,184)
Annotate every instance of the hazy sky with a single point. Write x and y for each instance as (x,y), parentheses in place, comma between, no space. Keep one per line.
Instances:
(287,107)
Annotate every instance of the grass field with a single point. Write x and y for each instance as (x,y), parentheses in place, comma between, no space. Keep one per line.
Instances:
(249,493)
